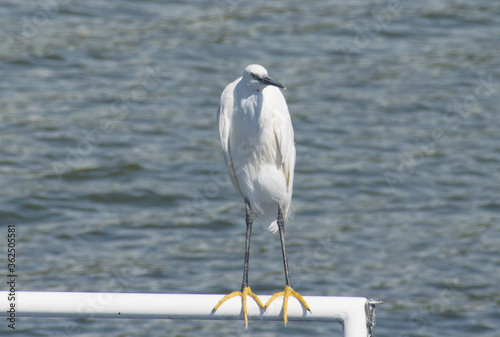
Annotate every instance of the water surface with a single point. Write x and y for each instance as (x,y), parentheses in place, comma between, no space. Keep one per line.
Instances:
(112,172)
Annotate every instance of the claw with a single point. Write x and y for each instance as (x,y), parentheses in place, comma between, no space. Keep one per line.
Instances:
(286,294)
(246,291)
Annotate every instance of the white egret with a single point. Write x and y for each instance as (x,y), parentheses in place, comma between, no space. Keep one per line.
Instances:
(257,140)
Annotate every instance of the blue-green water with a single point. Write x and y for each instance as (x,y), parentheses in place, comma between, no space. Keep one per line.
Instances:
(112,172)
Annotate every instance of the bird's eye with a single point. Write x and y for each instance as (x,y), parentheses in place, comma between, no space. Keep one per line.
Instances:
(253,76)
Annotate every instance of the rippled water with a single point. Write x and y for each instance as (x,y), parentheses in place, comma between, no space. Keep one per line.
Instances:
(112,173)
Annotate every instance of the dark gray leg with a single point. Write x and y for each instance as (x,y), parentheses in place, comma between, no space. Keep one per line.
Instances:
(281,228)
(249,221)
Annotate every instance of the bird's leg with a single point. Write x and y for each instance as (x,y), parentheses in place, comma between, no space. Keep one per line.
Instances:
(245,289)
(288,285)
(249,223)
(281,228)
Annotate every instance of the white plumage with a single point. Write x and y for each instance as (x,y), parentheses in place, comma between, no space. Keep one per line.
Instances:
(257,139)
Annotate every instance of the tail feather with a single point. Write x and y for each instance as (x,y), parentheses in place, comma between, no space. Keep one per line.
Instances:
(269,217)
(273,227)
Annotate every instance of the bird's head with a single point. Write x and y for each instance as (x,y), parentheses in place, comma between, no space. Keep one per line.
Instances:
(255,76)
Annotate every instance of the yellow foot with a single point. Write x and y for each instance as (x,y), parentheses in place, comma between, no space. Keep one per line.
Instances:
(246,291)
(287,293)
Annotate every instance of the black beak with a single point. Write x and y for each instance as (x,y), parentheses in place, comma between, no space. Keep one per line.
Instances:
(269,81)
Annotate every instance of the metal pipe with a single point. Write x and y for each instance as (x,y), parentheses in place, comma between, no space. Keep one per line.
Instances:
(350,311)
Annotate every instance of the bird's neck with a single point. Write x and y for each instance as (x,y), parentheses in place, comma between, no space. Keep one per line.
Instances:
(252,104)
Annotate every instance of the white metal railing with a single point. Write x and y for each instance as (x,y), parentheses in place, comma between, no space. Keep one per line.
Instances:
(355,313)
